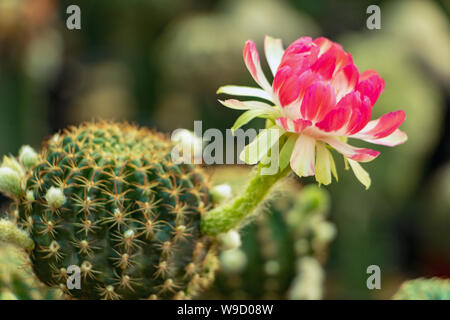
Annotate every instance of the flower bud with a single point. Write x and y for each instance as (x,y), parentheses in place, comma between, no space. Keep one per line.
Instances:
(229,240)
(10,182)
(221,193)
(28,157)
(55,197)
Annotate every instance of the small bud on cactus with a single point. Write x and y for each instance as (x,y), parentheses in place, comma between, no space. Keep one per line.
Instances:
(108,199)
(229,240)
(221,193)
(55,197)
(9,182)
(424,289)
(28,157)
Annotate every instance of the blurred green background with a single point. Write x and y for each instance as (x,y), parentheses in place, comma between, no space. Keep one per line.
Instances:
(159,62)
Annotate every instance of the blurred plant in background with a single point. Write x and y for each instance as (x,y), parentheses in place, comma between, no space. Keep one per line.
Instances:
(283,251)
(204,51)
(424,289)
(17,281)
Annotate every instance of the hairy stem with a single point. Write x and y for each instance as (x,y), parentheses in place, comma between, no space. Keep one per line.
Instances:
(10,233)
(231,215)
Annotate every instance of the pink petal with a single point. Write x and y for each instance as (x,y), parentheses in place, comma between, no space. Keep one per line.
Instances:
(370,85)
(334,120)
(301,47)
(251,58)
(323,43)
(345,80)
(293,125)
(318,100)
(286,85)
(291,87)
(360,116)
(351,152)
(383,126)
(325,65)
(395,138)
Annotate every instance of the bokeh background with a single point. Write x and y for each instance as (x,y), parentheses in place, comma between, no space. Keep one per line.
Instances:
(159,62)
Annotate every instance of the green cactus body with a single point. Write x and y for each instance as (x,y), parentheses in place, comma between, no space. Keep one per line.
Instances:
(108,199)
(274,245)
(17,281)
(424,289)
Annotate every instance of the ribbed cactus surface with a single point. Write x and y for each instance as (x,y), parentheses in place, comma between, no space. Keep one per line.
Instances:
(108,199)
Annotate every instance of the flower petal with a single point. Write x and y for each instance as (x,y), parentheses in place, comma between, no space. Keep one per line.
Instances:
(345,80)
(291,88)
(323,164)
(274,52)
(395,138)
(251,58)
(334,120)
(325,65)
(360,173)
(351,152)
(319,99)
(246,105)
(249,115)
(382,127)
(370,85)
(286,151)
(303,156)
(293,125)
(245,91)
(260,146)
(323,43)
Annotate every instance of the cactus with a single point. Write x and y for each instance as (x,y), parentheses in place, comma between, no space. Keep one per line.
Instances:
(424,289)
(279,248)
(16,277)
(109,199)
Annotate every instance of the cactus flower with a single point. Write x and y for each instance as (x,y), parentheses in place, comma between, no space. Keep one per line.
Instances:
(317,101)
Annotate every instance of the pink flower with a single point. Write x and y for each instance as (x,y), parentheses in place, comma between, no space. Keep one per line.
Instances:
(318,99)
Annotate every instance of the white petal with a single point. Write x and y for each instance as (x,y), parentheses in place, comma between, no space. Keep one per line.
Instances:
(395,138)
(274,52)
(258,148)
(245,91)
(351,152)
(360,173)
(323,165)
(303,156)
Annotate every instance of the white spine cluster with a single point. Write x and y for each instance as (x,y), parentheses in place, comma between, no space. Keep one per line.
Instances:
(28,157)
(10,182)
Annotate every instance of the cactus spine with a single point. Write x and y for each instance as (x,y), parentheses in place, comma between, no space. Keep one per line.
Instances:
(108,199)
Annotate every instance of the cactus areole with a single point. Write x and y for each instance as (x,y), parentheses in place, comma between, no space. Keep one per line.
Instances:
(108,199)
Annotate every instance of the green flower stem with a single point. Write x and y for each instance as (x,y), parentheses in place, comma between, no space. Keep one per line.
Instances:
(10,233)
(231,215)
